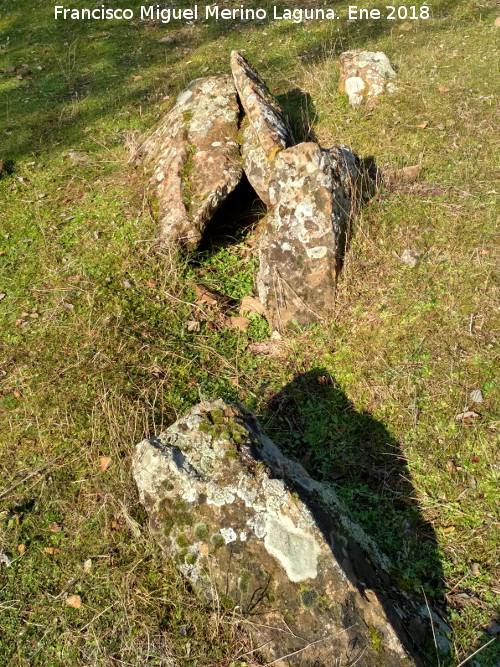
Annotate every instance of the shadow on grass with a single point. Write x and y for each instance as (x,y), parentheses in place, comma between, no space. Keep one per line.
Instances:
(313,422)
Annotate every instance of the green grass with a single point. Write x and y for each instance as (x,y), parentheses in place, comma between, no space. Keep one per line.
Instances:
(95,353)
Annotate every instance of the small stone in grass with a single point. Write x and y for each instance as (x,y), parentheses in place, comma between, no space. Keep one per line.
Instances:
(475,569)
(476,395)
(74,601)
(410,257)
(493,628)
(240,323)
(193,326)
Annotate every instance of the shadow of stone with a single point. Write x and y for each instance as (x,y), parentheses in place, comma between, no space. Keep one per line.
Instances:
(238,215)
(313,422)
(301,112)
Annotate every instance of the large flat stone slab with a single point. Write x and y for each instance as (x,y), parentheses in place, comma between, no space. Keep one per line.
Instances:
(194,155)
(250,529)
(256,164)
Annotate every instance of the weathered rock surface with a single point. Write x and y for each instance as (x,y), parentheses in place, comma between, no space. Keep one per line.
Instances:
(248,526)
(256,165)
(364,75)
(195,157)
(301,250)
(267,132)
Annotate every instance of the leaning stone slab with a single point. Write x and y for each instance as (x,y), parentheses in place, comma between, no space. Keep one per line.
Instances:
(301,250)
(195,158)
(250,529)
(268,131)
(256,164)
(364,75)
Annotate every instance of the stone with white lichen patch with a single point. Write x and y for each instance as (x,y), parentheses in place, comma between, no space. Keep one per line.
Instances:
(364,75)
(194,155)
(312,194)
(249,526)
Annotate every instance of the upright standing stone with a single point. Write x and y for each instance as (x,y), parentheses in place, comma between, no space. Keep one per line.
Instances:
(266,131)
(195,158)
(301,250)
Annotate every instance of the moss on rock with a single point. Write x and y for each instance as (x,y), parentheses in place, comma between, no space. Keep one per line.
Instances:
(201,531)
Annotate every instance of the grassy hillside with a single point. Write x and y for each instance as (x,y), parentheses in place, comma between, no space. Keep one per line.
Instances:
(95,353)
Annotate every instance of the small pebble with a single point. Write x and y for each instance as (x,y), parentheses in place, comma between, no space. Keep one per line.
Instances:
(475,569)
(410,257)
(476,395)
(493,628)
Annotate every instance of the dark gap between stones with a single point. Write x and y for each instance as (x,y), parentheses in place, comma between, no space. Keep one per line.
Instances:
(237,215)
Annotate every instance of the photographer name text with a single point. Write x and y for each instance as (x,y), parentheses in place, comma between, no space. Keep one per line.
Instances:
(164,14)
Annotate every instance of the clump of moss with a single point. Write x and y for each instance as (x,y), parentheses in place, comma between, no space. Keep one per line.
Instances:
(180,557)
(191,559)
(181,514)
(201,531)
(182,541)
(376,638)
(167,524)
(217,541)
(217,416)
(187,117)
(221,427)
(288,616)
(325,605)
(167,485)
(308,597)
(244,578)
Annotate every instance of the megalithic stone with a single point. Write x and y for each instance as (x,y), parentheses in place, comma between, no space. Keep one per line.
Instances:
(301,249)
(252,531)
(265,128)
(194,155)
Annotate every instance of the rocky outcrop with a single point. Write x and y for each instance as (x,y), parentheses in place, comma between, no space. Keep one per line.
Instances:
(266,132)
(195,158)
(250,528)
(301,250)
(364,75)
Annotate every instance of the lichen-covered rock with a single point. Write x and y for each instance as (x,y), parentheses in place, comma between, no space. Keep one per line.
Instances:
(268,131)
(256,165)
(364,75)
(301,249)
(251,528)
(195,158)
